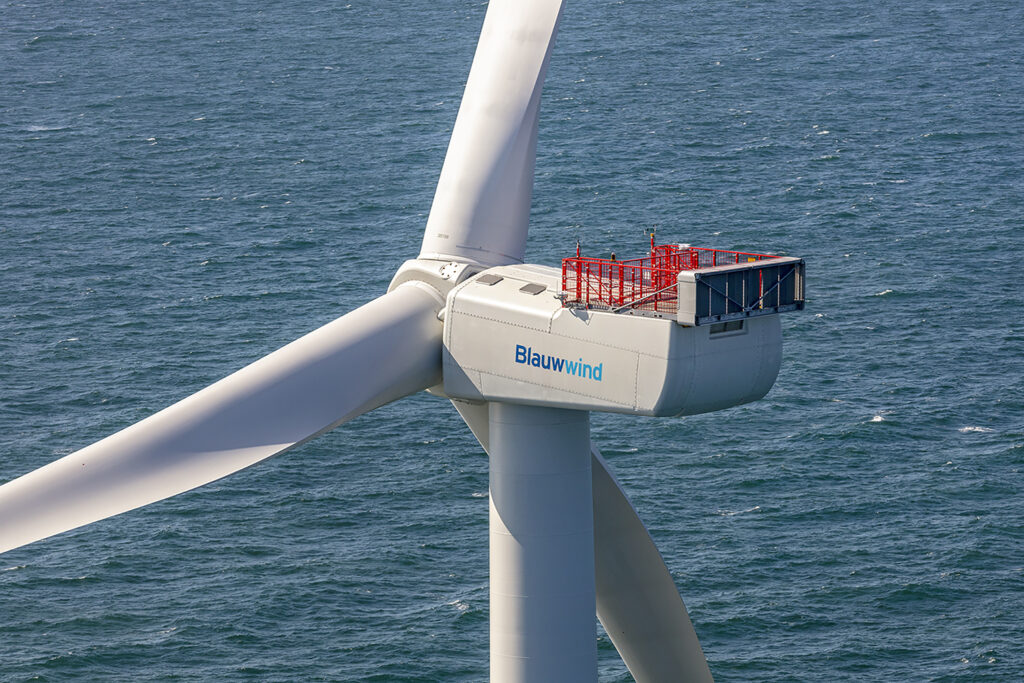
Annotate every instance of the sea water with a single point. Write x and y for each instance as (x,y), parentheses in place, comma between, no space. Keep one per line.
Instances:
(185,187)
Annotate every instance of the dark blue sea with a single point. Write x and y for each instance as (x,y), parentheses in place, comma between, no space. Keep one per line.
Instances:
(186,186)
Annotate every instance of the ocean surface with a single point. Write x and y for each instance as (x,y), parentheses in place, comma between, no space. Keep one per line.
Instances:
(185,187)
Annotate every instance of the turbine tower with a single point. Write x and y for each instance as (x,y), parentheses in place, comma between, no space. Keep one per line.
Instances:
(524,352)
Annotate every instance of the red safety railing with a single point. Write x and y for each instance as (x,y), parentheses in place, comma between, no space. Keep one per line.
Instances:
(646,284)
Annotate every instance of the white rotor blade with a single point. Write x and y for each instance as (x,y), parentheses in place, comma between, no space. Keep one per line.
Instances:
(637,600)
(482,204)
(387,349)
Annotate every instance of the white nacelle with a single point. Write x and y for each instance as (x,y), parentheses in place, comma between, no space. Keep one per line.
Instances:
(508,338)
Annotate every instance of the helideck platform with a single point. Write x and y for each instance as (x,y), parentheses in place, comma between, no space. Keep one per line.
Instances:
(693,285)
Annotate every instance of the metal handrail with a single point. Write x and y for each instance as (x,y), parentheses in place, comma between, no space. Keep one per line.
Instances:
(636,301)
(608,282)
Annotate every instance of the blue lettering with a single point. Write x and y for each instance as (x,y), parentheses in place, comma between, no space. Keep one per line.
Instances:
(525,355)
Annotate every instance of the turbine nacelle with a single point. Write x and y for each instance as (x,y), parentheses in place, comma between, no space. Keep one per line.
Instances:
(508,338)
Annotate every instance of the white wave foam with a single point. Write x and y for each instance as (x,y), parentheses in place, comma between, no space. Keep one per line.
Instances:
(966,430)
(878,418)
(733,513)
(883,293)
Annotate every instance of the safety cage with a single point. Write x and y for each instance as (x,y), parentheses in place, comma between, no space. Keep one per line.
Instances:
(694,285)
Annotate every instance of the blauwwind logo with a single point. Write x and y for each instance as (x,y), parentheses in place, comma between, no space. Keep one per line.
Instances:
(577,368)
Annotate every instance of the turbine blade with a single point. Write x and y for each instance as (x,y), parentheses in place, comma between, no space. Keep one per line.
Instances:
(637,600)
(482,204)
(382,351)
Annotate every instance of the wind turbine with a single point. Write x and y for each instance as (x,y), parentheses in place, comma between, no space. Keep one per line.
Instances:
(468,320)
